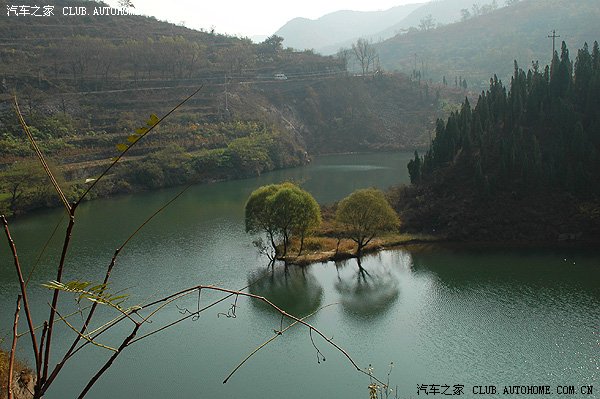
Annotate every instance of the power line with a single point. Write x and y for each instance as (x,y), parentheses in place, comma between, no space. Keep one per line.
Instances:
(553,36)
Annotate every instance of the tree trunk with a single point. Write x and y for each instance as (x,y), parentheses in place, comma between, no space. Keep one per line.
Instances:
(301,244)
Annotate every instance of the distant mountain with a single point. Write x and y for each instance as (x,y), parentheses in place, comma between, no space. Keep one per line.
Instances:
(339,27)
(442,11)
(486,45)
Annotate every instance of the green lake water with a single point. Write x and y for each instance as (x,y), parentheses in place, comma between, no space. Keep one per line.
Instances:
(446,316)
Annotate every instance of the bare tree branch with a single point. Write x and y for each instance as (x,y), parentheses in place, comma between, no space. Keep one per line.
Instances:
(278,333)
(53,306)
(15,256)
(88,339)
(109,362)
(41,158)
(118,158)
(13,349)
(90,315)
(262,299)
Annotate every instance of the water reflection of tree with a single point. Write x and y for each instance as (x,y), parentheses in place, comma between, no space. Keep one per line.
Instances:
(293,289)
(367,294)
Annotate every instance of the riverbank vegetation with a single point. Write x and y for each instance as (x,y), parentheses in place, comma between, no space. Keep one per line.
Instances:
(363,215)
(521,165)
(79,105)
(281,212)
(298,232)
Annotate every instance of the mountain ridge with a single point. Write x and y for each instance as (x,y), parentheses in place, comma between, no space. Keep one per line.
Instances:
(481,46)
(338,26)
(303,33)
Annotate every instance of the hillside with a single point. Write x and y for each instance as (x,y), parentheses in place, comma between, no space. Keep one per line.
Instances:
(442,12)
(85,84)
(339,28)
(483,45)
(522,164)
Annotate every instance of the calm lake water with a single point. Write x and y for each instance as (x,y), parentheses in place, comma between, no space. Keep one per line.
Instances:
(483,316)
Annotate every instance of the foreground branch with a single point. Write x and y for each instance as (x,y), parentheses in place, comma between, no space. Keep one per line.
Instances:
(11,359)
(23,286)
(285,314)
(278,333)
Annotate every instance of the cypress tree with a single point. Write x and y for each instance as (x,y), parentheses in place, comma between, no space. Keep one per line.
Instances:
(414,169)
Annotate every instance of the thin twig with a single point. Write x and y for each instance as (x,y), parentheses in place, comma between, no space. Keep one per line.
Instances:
(159,210)
(59,273)
(118,158)
(109,362)
(278,333)
(13,349)
(45,325)
(262,299)
(13,248)
(43,250)
(84,336)
(109,269)
(171,298)
(40,156)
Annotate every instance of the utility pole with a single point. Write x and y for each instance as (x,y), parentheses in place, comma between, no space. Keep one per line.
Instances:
(553,36)
(415,67)
(226,104)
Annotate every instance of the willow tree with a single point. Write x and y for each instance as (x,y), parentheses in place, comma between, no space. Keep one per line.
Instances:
(364,214)
(282,211)
(135,322)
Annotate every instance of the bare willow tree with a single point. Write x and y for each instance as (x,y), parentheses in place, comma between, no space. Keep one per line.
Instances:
(48,364)
(126,4)
(365,54)
(427,23)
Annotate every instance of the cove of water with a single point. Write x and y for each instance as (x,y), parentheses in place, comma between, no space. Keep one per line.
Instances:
(446,316)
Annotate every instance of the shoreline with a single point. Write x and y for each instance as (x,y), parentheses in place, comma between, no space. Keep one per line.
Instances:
(422,242)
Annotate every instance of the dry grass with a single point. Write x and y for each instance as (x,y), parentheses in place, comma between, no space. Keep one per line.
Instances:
(18,368)
(323,248)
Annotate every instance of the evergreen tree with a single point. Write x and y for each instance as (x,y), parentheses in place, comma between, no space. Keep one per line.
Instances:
(414,169)
(544,131)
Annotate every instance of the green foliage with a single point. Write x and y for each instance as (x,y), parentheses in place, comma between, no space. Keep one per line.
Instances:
(282,211)
(364,214)
(97,293)
(42,125)
(25,187)
(414,169)
(138,134)
(167,167)
(249,154)
(541,132)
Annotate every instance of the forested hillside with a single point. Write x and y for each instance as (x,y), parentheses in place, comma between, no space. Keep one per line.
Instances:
(522,164)
(480,45)
(86,83)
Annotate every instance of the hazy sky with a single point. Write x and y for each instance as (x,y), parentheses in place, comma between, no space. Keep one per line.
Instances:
(250,17)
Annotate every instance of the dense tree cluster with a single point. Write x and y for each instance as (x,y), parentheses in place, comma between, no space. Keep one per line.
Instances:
(363,215)
(281,211)
(544,131)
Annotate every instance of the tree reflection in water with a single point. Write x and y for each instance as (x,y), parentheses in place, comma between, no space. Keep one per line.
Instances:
(367,293)
(293,288)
